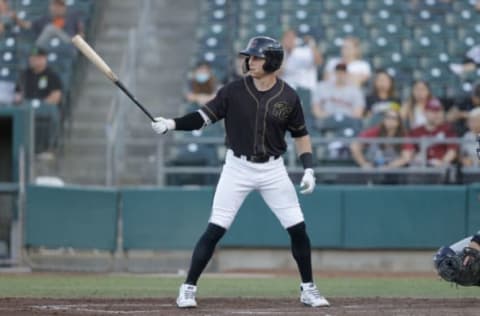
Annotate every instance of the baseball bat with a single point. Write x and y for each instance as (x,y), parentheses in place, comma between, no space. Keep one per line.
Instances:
(98,61)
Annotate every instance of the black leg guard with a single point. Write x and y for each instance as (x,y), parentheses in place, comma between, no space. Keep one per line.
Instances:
(204,251)
(301,250)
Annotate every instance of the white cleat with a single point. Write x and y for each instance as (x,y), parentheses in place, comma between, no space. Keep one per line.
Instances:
(186,296)
(311,296)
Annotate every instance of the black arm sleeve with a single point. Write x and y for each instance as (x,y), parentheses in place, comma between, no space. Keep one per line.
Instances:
(189,122)
(307,160)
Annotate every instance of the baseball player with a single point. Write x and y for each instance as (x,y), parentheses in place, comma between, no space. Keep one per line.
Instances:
(258,110)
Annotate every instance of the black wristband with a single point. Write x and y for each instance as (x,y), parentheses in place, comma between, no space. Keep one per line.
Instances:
(307,160)
(189,122)
(476,238)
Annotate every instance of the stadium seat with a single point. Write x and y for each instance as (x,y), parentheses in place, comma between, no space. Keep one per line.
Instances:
(383,17)
(389,30)
(347,5)
(382,45)
(391,5)
(424,46)
(394,59)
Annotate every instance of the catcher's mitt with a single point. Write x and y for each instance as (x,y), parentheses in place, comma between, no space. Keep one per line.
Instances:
(451,267)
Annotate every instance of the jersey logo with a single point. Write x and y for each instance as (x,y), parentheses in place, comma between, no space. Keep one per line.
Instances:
(281,110)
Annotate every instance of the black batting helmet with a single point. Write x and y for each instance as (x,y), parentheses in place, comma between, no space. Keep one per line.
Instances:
(264,47)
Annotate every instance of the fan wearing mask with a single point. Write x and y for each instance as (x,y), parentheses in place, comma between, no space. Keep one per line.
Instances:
(203,84)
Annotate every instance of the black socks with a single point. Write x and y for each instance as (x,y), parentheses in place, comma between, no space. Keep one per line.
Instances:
(203,252)
(301,251)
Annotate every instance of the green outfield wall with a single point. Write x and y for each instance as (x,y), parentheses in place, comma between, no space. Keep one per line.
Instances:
(346,217)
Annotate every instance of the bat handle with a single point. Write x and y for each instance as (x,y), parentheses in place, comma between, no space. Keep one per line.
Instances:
(125,90)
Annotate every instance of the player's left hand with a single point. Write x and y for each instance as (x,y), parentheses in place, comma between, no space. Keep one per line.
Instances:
(308,182)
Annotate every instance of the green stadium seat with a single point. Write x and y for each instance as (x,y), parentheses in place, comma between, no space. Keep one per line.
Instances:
(424,17)
(460,46)
(435,30)
(389,30)
(394,59)
(441,60)
(461,5)
(346,30)
(471,30)
(391,5)
(348,5)
(339,17)
(383,17)
(383,45)
(424,46)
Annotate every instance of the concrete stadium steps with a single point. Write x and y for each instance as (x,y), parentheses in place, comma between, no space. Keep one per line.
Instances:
(162,65)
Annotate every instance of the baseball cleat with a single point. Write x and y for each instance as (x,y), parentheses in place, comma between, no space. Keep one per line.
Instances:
(310,296)
(186,296)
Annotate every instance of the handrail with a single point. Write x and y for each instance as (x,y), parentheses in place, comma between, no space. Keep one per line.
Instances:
(115,126)
(293,166)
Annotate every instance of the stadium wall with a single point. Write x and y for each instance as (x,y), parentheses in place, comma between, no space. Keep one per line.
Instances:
(338,217)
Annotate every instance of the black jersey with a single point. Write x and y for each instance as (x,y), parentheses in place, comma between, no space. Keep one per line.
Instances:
(256,121)
(38,86)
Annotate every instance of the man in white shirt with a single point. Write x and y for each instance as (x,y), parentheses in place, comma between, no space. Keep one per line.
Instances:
(339,97)
(299,68)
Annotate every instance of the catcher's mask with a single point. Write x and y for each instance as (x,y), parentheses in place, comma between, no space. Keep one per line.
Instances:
(442,253)
(264,47)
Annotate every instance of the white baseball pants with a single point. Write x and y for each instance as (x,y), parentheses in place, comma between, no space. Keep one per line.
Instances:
(239,177)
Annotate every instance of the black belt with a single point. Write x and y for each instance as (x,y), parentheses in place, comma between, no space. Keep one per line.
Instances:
(257,158)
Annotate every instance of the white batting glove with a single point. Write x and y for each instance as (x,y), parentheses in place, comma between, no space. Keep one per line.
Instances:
(308,182)
(163,125)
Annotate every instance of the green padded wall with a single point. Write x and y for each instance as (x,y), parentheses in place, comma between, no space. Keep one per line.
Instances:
(473,218)
(351,217)
(166,218)
(404,217)
(256,225)
(77,217)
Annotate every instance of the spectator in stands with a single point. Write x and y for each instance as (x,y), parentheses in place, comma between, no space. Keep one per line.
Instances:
(338,97)
(435,127)
(359,70)
(386,155)
(459,112)
(59,23)
(39,81)
(300,62)
(203,85)
(469,156)
(413,110)
(8,18)
(381,98)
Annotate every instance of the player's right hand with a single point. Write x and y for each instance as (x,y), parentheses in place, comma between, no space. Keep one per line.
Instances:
(308,182)
(163,125)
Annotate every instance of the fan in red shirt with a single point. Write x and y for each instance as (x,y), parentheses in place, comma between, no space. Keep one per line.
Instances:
(439,154)
(381,155)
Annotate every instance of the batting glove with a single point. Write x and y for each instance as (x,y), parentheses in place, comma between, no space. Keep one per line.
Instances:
(163,125)
(308,182)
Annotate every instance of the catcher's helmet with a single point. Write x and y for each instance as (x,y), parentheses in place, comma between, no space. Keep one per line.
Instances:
(442,253)
(264,47)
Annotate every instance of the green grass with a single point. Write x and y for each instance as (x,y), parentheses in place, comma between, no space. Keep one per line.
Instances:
(138,286)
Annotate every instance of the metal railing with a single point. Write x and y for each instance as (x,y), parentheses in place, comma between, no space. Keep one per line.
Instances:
(116,120)
(321,144)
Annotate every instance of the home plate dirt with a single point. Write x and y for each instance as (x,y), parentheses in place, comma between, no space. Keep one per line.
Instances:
(240,306)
